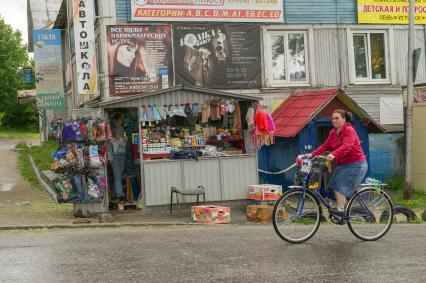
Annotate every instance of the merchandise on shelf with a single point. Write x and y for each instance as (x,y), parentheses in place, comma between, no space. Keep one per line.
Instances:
(189,127)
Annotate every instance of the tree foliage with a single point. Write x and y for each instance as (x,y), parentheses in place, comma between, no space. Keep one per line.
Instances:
(13,59)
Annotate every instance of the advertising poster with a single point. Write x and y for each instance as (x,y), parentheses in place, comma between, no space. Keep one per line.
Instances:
(389,12)
(140,58)
(84,34)
(217,56)
(260,11)
(48,69)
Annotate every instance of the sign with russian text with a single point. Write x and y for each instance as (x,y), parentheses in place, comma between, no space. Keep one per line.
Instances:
(389,12)
(217,55)
(139,58)
(28,75)
(262,11)
(48,69)
(85,56)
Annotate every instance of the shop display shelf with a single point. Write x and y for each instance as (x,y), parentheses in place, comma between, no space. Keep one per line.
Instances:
(224,140)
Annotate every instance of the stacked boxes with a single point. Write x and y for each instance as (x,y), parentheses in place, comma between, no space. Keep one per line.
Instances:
(211,214)
(265,192)
(261,201)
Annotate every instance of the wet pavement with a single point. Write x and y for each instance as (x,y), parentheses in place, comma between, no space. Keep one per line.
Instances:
(20,202)
(6,183)
(210,253)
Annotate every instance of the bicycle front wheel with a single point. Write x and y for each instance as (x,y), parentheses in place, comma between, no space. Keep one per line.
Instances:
(365,213)
(296,216)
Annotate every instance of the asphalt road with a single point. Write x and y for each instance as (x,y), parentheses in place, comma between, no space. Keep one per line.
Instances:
(217,253)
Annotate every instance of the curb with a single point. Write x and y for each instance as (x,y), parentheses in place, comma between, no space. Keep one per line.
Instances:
(95,225)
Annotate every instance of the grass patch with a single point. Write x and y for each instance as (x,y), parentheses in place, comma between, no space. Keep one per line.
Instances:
(42,156)
(396,190)
(418,200)
(18,134)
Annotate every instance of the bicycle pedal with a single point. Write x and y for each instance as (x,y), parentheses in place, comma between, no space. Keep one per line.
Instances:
(337,220)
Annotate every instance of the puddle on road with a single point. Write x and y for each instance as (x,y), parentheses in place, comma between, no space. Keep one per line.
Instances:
(6,186)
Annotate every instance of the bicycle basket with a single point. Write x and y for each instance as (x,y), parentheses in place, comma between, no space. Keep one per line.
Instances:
(317,169)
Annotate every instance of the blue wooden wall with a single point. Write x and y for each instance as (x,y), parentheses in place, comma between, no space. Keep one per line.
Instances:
(122,11)
(385,156)
(320,11)
(275,158)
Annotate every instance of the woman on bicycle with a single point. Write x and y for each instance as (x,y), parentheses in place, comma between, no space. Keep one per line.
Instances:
(345,147)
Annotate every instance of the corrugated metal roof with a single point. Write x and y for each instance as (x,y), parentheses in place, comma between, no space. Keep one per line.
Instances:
(41,15)
(301,107)
(298,109)
(134,98)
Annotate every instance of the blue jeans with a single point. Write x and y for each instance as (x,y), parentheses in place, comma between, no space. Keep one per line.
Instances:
(346,178)
(118,162)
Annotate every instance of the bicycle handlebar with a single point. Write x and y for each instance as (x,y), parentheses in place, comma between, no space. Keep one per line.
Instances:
(315,157)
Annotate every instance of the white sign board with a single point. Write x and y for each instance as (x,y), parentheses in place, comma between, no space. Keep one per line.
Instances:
(85,55)
(391,110)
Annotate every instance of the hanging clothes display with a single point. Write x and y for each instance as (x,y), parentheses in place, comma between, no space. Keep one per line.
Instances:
(264,127)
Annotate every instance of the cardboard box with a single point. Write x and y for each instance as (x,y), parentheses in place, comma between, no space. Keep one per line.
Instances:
(265,192)
(260,202)
(260,213)
(211,214)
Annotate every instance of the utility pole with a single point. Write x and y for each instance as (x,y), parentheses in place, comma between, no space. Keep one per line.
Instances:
(409,110)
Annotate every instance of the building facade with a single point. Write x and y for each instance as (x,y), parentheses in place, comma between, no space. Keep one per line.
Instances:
(317,45)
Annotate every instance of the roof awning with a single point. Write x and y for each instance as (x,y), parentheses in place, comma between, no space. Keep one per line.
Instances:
(120,101)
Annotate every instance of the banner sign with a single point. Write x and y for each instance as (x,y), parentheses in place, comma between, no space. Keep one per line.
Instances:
(217,56)
(28,75)
(85,55)
(48,69)
(26,96)
(389,12)
(26,93)
(262,11)
(140,58)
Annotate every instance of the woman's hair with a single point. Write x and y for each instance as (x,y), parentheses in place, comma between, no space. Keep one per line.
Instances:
(137,68)
(345,114)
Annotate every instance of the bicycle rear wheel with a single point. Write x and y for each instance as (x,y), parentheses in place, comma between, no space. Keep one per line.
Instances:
(296,216)
(365,210)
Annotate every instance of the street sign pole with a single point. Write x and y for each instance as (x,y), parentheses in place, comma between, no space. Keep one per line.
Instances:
(409,110)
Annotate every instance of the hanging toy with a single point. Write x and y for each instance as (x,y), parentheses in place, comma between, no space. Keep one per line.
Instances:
(264,132)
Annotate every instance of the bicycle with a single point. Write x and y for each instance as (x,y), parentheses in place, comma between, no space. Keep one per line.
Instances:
(297,213)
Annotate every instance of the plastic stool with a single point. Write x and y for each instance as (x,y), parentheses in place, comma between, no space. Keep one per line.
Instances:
(195,192)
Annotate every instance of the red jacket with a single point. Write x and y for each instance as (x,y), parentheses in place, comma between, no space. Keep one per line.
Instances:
(345,146)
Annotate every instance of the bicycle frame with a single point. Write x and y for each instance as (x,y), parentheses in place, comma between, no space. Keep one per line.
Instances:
(306,176)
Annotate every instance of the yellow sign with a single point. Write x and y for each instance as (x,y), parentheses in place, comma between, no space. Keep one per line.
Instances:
(389,12)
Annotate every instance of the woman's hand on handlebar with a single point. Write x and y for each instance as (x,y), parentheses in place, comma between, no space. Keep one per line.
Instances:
(330,157)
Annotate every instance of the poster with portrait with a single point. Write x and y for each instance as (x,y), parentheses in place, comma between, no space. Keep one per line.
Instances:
(217,55)
(139,58)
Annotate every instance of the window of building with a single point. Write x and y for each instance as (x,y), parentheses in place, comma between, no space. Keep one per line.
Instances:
(369,56)
(287,58)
